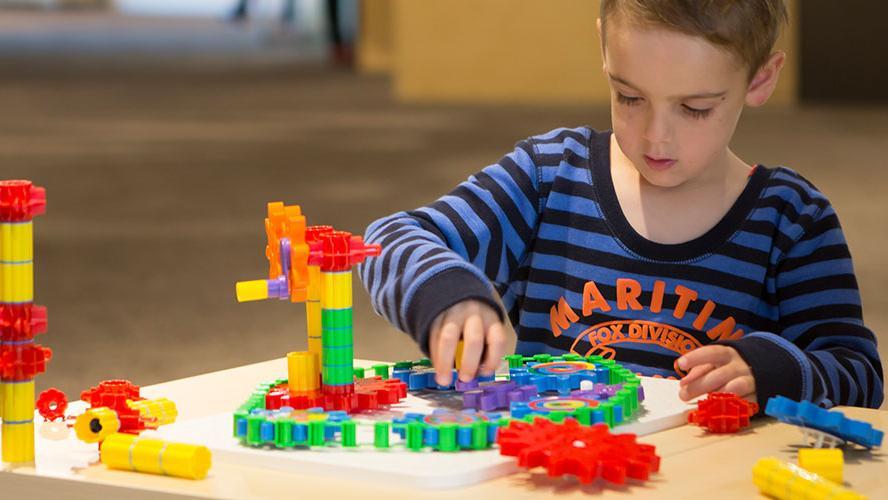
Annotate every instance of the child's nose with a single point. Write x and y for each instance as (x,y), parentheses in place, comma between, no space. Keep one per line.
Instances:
(657,128)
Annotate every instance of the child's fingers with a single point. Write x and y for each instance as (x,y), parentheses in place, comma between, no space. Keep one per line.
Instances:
(443,354)
(695,373)
(473,344)
(709,382)
(741,386)
(713,354)
(496,347)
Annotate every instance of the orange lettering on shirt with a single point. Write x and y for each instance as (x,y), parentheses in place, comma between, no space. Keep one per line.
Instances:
(561,317)
(657,296)
(725,330)
(700,322)
(628,291)
(685,297)
(592,299)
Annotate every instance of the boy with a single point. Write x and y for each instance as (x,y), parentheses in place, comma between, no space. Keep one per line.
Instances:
(654,244)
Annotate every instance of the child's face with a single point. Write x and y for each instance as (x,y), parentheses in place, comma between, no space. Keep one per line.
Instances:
(675,100)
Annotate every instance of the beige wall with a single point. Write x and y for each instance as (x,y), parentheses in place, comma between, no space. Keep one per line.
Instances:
(501,51)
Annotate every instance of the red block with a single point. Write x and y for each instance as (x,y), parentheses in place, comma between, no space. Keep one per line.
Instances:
(52,404)
(574,449)
(21,321)
(21,201)
(21,362)
(723,413)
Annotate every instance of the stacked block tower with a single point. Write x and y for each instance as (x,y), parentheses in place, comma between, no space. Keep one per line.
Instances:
(20,320)
(314,265)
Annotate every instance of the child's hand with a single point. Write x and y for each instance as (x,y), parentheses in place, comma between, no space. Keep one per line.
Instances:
(715,368)
(478,325)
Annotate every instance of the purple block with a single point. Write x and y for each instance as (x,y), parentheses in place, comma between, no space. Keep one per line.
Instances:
(489,396)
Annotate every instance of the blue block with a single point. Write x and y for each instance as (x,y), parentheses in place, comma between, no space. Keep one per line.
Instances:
(300,433)
(430,436)
(464,437)
(266,431)
(241,427)
(807,414)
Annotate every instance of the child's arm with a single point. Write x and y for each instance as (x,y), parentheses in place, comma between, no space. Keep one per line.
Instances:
(823,352)
(449,252)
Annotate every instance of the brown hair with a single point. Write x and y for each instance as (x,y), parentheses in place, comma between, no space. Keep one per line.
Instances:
(746,28)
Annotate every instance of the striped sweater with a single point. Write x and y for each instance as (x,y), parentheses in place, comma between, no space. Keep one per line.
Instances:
(543,229)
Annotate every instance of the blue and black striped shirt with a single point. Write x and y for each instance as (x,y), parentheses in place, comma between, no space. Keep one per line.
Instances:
(773,278)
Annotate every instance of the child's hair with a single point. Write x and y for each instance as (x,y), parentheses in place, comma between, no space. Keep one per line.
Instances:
(746,28)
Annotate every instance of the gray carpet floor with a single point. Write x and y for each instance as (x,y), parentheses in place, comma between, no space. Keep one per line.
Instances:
(158,174)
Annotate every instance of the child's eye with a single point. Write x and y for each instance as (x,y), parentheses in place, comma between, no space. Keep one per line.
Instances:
(627,100)
(696,113)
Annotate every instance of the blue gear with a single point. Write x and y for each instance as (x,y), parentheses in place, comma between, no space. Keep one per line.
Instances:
(807,414)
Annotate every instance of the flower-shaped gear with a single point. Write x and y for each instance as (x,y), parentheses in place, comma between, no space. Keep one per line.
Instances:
(807,414)
(723,413)
(51,404)
(585,452)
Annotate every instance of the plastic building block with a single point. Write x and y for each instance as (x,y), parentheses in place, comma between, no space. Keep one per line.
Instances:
(288,428)
(52,403)
(519,361)
(723,413)
(807,414)
(20,358)
(133,412)
(497,395)
(96,424)
(786,481)
(154,456)
(585,452)
(560,376)
(447,430)
(828,462)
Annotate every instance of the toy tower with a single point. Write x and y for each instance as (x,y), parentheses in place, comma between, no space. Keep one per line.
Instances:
(314,265)
(20,320)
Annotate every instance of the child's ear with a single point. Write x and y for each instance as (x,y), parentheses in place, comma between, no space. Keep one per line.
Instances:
(601,39)
(765,80)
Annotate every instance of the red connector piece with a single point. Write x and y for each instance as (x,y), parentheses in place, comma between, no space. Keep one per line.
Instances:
(366,394)
(21,201)
(114,395)
(20,362)
(339,251)
(723,413)
(52,404)
(585,452)
(21,321)
(374,391)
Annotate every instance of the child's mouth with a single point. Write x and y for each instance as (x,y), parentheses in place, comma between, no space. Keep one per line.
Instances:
(658,163)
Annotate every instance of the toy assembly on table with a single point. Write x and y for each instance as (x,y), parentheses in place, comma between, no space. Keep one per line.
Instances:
(548,411)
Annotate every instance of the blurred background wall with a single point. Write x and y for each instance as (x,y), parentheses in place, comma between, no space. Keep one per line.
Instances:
(160,129)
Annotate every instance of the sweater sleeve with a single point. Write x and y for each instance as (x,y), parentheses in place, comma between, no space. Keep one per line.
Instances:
(823,353)
(455,248)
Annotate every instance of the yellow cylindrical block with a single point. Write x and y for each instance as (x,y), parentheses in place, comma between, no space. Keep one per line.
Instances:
(155,412)
(16,282)
(18,442)
(336,292)
(251,290)
(313,310)
(16,241)
(96,424)
(155,456)
(787,481)
(828,462)
(303,371)
(18,401)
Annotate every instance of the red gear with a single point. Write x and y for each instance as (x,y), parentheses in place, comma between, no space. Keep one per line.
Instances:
(585,452)
(365,394)
(114,395)
(723,413)
(52,404)
(20,201)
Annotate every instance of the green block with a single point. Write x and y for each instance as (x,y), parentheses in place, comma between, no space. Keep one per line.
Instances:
(336,318)
(358,372)
(625,401)
(283,433)
(594,359)
(239,415)
(381,432)
(557,416)
(447,437)
(349,433)
(403,365)
(254,422)
(414,436)
(381,370)
(424,362)
(572,357)
(316,435)
(583,415)
(608,408)
(479,435)
(542,358)
(515,360)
